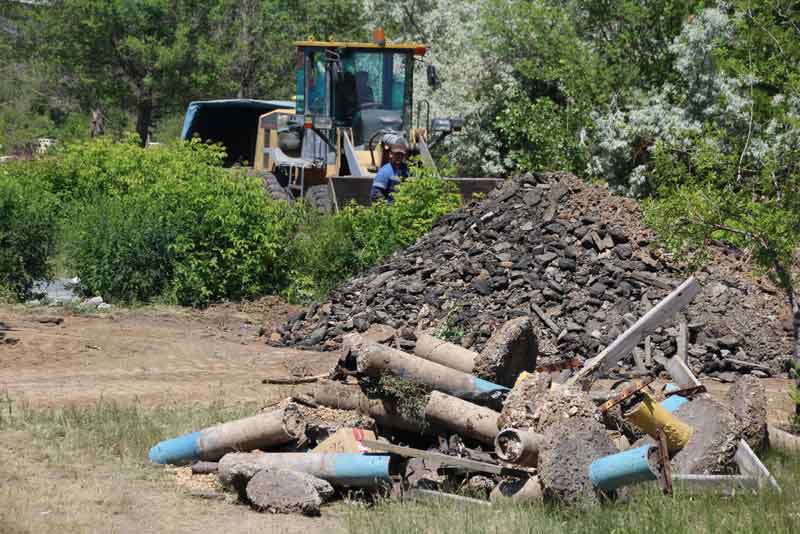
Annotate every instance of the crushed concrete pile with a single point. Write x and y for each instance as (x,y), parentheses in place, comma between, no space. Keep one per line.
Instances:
(575,258)
(541,438)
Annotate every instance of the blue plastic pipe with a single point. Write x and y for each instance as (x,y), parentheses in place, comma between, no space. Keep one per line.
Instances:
(261,431)
(340,469)
(628,467)
(621,469)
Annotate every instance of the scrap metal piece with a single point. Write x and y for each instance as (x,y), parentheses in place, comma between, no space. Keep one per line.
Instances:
(625,394)
(688,392)
(663,469)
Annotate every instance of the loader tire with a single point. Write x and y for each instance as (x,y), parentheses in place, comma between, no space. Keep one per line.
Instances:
(273,188)
(319,198)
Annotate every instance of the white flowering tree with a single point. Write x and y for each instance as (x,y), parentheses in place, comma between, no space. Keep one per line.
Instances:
(733,173)
(474,83)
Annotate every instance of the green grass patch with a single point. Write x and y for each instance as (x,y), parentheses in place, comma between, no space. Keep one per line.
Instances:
(644,511)
(106,429)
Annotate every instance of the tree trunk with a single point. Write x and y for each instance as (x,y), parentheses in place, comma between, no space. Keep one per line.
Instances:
(144,116)
(795,306)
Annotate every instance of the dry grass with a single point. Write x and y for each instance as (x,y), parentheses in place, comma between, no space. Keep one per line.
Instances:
(84,469)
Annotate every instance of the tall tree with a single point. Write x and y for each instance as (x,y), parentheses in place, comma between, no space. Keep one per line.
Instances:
(260,35)
(139,55)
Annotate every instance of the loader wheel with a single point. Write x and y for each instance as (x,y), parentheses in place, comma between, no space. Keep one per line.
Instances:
(319,198)
(273,188)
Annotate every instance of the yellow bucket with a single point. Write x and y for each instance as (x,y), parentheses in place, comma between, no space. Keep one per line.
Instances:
(648,415)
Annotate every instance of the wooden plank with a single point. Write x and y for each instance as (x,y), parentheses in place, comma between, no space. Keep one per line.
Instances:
(680,373)
(472,465)
(649,280)
(545,318)
(683,338)
(625,343)
(750,465)
(748,365)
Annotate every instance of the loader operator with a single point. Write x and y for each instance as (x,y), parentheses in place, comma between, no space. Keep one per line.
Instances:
(390,174)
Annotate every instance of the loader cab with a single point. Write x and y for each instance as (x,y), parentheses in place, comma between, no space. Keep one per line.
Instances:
(360,86)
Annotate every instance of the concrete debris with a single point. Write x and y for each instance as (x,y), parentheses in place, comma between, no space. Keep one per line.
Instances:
(284,491)
(520,404)
(511,350)
(556,405)
(747,399)
(570,447)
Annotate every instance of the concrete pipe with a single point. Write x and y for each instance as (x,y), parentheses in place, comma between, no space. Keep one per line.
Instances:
(782,441)
(519,447)
(339,469)
(341,397)
(447,354)
(518,491)
(462,417)
(262,431)
(372,360)
(648,415)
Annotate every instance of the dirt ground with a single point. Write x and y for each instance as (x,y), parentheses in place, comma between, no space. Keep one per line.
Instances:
(155,356)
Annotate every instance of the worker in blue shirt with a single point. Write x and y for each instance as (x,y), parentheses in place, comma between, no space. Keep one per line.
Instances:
(390,174)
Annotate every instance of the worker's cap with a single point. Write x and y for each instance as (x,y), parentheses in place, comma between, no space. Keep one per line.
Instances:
(397,148)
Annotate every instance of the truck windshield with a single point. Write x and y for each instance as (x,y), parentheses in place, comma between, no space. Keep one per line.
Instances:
(380,78)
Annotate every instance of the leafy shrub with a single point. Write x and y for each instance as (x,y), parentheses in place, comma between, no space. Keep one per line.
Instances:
(27,229)
(330,249)
(82,171)
(540,135)
(171,222)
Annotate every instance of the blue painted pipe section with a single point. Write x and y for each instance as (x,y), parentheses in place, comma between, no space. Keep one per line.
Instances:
(484,386)
(621,469)
(628,467)
(176,450)
(673,403)
(353,469)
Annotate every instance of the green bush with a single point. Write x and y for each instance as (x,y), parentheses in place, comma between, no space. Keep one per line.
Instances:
(540,135)
(330,249)
(27,229)
(82,171)
(170,222)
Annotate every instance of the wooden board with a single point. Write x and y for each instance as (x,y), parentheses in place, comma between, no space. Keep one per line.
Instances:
(625,343)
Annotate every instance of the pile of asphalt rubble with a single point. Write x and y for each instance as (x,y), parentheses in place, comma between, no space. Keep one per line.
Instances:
(574,257)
